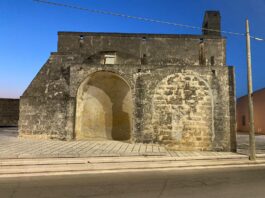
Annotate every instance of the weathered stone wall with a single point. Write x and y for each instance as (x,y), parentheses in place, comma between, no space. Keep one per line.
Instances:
(184,107)
(45,105)
(9,112)
(232,108)
(43,118)
(197,101)
(181,91)
(182,111)
(151,49)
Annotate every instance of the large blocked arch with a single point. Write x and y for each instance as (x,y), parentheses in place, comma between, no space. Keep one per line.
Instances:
(104,108)
(182,114)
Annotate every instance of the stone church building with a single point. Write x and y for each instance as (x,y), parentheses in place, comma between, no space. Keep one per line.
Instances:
(174,90)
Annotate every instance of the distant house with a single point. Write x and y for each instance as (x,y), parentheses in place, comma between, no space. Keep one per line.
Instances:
(259,112)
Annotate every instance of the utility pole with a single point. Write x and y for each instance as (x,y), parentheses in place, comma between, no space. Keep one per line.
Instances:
(252,145)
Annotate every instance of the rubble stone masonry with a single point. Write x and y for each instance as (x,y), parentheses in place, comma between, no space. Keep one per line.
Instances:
(9,112)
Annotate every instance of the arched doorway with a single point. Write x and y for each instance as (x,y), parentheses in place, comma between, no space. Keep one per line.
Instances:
(104,108)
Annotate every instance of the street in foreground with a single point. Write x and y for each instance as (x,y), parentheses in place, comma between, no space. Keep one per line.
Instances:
(200,183)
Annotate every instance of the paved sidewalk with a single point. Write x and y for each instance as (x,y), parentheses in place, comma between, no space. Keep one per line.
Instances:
(26,157)
(243,144)
(13,147)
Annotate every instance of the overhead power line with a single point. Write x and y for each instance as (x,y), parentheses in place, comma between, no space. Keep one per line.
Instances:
(144,19)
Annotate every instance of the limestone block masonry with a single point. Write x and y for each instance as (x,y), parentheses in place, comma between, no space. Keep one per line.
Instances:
(174,90)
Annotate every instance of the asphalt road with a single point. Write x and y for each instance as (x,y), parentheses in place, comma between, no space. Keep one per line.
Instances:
(223,183)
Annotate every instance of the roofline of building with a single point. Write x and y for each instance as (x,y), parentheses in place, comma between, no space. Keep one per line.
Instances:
(141,35)
(255,92)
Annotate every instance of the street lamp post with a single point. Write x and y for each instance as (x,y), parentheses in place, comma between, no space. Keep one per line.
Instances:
(252,145)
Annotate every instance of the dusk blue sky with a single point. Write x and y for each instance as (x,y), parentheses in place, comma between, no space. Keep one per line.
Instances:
(29,32)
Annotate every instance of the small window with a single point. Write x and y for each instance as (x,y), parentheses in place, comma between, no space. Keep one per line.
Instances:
(81,41)
(243,120)
(109,59)
(212,61)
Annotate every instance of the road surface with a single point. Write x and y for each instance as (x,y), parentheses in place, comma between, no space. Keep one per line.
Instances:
(200,183)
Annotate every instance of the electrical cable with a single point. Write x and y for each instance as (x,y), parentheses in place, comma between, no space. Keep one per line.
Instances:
(142,18)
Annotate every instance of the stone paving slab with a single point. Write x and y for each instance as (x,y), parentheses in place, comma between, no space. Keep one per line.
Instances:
(13,147)
(243,144)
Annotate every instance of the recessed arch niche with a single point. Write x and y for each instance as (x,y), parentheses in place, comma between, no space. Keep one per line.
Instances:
(104,108)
